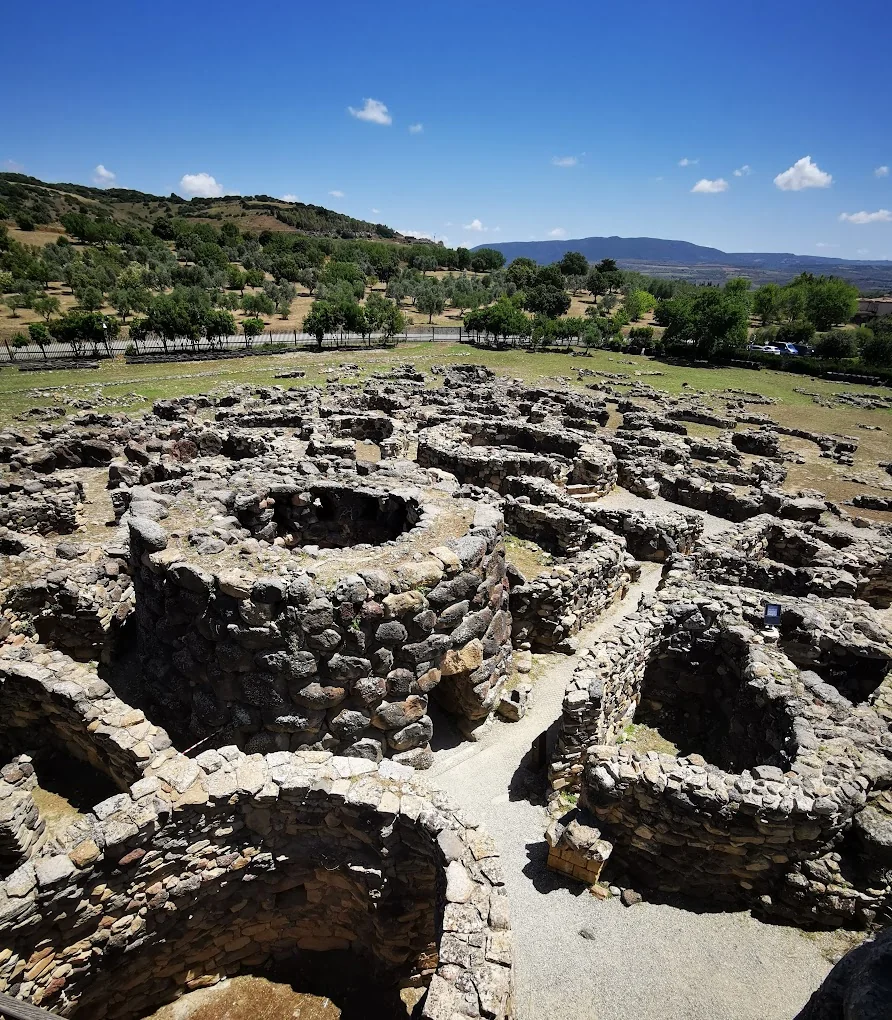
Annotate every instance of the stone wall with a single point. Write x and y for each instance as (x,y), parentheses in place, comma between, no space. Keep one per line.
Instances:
(799,559)
(21,827)
(80,608)
(39,506)
(49,702)
(649,536)
(845,644)
(487,452)
(550,609)
(449,451)
(328,514)
(593,571)
(799,775)
(281,661)
(237,863)
(603,692)
(774,797)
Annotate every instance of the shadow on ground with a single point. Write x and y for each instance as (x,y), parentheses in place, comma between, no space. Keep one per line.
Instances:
(544,880)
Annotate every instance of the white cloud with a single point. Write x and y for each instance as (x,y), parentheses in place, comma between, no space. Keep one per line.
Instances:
(416,129)
(881,171)
(803,174)
(336,193)
(880,216)
(707,187)
(863,251)
(476,226)
(422,233)
(375,212)
(743,171)
(564,160)
(200,186)
(290,198)
(557,232)
(372,110)
(825,244)
(103,178)
(13,166)
(688,162)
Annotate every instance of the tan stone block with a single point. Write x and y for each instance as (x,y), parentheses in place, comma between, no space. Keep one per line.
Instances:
(462,660)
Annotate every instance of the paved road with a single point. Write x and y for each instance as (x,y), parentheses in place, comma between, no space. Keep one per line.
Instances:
(648,962)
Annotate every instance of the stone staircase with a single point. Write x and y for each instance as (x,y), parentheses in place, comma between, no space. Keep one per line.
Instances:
(584,493)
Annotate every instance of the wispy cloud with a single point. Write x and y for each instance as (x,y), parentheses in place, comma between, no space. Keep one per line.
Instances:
(102,177)
(336,194)
(881,171)
(706,187)
(743,171)
(880,216)
(825,244)
(290,198)
(373,111)
(416,129)
(557,232)
(862,251)
(375,212)
(564,160)
(687,161)
(475,225)
(200,186)
(13,166)
(803,174)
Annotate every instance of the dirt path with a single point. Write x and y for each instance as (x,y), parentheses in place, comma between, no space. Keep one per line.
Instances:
(648,962)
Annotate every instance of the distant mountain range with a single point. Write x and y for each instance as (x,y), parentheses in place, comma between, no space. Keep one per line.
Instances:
(659,257)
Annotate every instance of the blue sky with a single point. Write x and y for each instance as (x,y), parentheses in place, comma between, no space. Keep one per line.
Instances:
(258,97)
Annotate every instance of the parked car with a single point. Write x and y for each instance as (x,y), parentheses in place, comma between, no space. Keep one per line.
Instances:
(780,347)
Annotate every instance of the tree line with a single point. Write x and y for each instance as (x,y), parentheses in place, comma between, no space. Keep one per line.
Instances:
(183,279)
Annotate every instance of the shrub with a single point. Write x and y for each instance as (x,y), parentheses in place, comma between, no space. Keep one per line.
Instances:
(642,334)
(877,351)
(836,343)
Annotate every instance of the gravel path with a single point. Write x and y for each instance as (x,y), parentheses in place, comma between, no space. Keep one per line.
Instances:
(647,962)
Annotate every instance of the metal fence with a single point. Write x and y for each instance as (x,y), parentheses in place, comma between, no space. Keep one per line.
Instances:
(292,340)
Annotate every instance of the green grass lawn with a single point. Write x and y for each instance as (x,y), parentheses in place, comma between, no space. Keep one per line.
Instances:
(116,379)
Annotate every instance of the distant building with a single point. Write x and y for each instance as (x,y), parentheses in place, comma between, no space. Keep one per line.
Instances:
(869,308)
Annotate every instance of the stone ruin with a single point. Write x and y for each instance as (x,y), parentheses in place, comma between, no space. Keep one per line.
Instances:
(195,869)
(233,622)
(284,660)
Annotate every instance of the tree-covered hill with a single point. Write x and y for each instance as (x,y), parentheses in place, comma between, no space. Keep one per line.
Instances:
(29,202)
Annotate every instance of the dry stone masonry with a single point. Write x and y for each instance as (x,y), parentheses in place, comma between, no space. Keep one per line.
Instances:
(228,624)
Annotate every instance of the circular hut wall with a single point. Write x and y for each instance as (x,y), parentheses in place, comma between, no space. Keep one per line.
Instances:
(696,699)
(331,517)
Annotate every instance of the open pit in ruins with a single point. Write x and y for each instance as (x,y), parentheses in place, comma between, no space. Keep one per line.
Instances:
(236,630)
